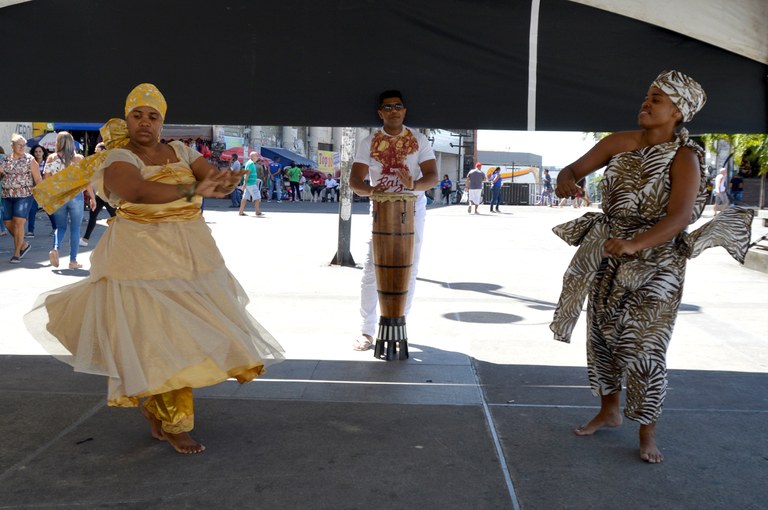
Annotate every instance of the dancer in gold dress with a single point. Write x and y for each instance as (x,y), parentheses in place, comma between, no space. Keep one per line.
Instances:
(159,313)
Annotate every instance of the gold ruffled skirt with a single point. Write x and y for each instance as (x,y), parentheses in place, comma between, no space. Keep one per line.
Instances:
(159,312)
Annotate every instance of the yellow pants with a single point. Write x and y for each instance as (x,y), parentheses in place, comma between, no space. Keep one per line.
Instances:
(174,409)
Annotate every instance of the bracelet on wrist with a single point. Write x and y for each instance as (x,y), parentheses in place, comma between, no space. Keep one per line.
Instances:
(187,191)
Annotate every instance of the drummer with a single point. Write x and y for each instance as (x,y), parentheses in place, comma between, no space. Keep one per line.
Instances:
(394,159)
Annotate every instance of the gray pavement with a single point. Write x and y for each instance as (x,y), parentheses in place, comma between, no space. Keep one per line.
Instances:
(479,417)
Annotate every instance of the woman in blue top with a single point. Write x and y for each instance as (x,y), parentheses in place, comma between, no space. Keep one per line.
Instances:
(445,186)
(496,190)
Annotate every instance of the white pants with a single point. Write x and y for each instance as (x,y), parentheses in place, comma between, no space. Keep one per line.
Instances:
(369,297)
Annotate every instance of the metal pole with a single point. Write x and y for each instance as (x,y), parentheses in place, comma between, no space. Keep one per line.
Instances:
(458,163)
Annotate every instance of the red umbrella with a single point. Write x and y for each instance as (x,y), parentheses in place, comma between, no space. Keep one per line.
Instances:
(227,155)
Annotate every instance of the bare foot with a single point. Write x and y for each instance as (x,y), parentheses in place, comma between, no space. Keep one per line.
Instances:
(603,419)
(154,424)
(608,416)
(649,452)
(183,443)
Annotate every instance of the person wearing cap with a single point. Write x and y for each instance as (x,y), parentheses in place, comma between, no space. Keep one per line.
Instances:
(631,258)
(159,313)
(474,187)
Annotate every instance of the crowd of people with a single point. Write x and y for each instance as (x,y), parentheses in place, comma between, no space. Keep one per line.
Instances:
(21,170)
(290,182)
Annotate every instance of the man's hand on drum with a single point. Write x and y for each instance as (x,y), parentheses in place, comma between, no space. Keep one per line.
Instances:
(405,177)
(379,188)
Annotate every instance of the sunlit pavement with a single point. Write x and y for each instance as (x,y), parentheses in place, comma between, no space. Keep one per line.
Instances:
(479,417)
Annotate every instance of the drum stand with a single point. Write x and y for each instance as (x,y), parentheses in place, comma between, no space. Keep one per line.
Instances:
(392,339)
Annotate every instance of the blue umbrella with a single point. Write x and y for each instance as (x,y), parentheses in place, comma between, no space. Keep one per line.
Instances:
(48,141)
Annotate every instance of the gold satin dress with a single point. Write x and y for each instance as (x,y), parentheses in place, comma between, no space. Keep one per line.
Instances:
(160,312)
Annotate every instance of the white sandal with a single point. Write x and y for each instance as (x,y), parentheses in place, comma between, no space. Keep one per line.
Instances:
(362,344)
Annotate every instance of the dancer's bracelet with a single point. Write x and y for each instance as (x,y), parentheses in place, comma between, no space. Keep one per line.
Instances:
(187,192)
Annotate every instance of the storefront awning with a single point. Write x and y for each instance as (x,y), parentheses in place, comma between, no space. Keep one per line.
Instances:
(76,126)
(286,156)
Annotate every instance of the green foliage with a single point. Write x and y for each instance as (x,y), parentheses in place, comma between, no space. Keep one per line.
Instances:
(740,145)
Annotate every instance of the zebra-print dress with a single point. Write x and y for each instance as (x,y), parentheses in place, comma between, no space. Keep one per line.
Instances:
(633,301)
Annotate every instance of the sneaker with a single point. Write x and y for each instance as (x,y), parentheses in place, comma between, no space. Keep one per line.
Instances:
(15,260)
(29,235)
(83,242)
(75,265)
(24,251)
(469,209)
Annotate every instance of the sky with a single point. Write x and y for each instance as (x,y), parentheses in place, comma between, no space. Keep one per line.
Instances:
(556,148)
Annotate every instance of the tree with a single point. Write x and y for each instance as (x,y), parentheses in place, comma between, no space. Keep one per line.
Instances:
(741,144)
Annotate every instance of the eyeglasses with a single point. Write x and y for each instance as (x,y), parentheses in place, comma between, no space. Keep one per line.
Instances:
(390,107)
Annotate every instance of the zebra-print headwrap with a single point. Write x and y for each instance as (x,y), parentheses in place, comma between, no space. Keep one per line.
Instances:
(684,91)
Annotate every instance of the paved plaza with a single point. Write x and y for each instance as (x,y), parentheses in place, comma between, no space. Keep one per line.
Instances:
(479,417)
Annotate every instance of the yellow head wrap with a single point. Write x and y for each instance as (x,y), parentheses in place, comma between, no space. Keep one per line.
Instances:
(145,94)
(59,189)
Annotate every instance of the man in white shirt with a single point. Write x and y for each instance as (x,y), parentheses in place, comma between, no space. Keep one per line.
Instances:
(330,188)
(394,159)
(719,190)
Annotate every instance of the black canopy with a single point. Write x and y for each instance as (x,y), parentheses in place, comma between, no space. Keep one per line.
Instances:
(459,63)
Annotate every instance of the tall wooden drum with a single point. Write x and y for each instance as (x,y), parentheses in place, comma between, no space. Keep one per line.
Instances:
(393,240)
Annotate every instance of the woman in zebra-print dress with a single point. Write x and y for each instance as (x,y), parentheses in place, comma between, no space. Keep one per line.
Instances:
(631,258)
